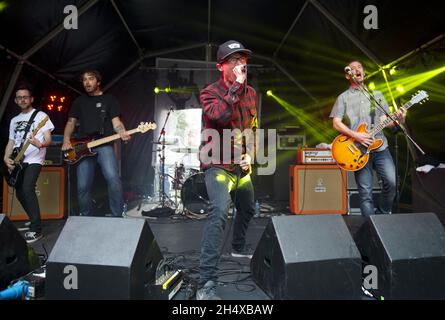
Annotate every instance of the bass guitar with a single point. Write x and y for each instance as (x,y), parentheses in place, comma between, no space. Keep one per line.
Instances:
(81,148)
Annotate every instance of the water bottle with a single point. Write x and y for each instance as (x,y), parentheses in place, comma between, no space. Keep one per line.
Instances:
(257,209)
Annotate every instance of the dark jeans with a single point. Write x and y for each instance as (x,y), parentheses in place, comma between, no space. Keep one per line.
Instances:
(220,186)
(26,194)
(85,176)
(383,164)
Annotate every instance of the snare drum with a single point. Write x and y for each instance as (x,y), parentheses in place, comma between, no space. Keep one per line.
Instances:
(194,194)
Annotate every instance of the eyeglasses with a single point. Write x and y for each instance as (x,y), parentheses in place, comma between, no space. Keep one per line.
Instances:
(233,60)
(22,97)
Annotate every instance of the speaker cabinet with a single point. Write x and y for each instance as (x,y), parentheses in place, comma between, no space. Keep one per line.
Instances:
(14,261)
(409,253)
(317,189)
(50,191)
(307,257)
(102,258)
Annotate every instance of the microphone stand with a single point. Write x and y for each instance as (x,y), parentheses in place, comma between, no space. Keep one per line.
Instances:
(162,195)
(398,127)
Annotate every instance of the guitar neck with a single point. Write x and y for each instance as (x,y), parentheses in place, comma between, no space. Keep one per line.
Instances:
(101,141)
(19,156)
(387,121)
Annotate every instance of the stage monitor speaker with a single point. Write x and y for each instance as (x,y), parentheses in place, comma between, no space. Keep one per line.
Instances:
(317,189)
(409,253)
(14,261)
(102,258)
(50,190)
(307,257)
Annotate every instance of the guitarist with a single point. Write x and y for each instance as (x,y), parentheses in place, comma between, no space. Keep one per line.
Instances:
(228,103)
(19,132)
(354,108)
(96,113)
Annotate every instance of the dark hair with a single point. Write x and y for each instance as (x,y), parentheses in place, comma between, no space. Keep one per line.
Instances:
(24,86)
(93,72)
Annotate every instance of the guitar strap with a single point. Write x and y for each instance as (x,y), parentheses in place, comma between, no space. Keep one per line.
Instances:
(103,115)
(30,121)
(372,109)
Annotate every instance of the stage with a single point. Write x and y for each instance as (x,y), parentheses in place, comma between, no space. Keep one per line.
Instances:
(179,239)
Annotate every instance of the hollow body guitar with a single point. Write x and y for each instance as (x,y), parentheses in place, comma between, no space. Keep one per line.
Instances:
(351,155)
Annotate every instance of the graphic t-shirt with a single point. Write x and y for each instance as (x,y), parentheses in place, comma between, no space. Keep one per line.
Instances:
(17,131)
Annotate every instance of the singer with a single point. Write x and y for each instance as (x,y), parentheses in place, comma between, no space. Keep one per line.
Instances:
(97,113)
(228,103)
(354,106)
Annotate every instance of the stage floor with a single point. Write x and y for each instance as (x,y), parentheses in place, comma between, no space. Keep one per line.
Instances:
(179,239)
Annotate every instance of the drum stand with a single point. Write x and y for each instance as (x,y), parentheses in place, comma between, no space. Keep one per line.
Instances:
(162,208)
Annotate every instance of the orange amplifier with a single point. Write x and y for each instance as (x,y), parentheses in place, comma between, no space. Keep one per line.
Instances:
(317,189)
(50,190)
(314,156)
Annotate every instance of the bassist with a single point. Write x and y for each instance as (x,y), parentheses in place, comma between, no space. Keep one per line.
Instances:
(20,130)
(96,113)
(354,108)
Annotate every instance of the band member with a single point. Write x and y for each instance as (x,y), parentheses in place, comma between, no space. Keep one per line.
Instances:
(228,103)
(19,132)
(97,114)
(354,106)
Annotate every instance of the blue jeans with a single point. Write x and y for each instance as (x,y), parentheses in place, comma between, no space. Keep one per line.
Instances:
(85,175)
(383,164)
(220,186)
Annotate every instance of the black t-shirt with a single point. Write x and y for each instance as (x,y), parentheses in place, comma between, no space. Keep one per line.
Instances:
(89,111)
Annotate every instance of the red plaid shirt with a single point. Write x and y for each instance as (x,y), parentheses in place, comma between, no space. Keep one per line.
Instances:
(228,108)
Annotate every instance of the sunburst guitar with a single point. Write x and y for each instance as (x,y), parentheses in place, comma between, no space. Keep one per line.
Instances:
(82,148)
(351,155)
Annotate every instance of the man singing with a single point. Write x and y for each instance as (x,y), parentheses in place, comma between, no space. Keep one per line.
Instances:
(228,103)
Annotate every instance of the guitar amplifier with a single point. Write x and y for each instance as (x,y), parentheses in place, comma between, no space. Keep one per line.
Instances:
(54,155)
(314,156)
(317,189)
(50,189)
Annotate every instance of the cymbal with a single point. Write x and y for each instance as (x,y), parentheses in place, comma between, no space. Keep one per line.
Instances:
(165,143)
(185,150)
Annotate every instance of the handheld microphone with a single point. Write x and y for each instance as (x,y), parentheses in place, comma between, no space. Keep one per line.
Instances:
(348,70)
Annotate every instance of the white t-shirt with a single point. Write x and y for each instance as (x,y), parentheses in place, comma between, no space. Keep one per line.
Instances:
(17,130)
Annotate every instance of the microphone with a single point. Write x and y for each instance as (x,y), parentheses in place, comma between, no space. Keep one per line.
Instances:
(244,69)
(348,70)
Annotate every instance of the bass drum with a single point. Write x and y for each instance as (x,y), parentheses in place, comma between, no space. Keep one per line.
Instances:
(194,195)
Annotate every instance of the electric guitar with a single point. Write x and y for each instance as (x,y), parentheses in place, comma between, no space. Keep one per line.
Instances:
(81,148)
(12,176)
(351,155)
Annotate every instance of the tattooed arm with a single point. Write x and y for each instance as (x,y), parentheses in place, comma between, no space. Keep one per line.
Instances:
(69,128)
(119,127)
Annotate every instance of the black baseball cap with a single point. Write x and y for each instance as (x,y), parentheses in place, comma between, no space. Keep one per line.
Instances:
(229,47)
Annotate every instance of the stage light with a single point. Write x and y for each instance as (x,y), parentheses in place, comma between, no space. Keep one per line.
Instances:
(269,93)
(3,5)
(400,88)
(371,86)
(157,90)
(392,71)
(168,90)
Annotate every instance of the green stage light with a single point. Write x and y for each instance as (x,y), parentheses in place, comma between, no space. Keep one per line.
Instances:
(392,71)
(371,86)
(3,5)
(269,93)
(157,90)
(400,88)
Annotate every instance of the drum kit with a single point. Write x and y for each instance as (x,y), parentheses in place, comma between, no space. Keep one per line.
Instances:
(187,182)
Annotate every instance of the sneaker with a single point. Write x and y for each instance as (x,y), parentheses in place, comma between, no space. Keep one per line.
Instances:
(208,292)
(25,226)
(242,253)
(32,237)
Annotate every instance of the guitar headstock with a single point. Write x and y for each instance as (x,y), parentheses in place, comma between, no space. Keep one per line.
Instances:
(420,97)
(145,126)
